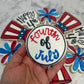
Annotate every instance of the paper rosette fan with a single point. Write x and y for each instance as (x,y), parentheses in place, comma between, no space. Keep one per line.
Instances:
(14,30)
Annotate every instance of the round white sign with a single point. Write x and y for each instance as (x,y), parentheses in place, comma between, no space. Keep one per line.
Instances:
(46,45)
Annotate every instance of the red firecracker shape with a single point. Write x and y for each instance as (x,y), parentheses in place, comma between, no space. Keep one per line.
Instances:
(62,77)
(67,22)
(15,31)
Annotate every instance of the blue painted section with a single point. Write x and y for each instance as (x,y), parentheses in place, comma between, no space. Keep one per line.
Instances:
(21,36)
(9,57)
(69,55)
(60,25)
(76,64)
(17,46)
(81,64)
(51,13)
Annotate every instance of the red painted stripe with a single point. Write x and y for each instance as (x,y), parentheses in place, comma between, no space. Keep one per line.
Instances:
(65,74)
(9,37)
(74,18)
(76,24)
(81,57)
(13,30)
(16,24)
(53,18)
(59,29)
(73,49)
(25,36)
(70,60)
(4,58)
(60,82)
(73,26)
(5,30)
(68,20)
(63,16)
(46,10)
(42,19)
(13,45)
(55,78)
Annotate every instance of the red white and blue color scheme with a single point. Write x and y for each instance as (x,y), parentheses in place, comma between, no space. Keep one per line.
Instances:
(67,22)
(8,51)
(46,14)
(74,53)
(15,31)
(75,58)
(62,77)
